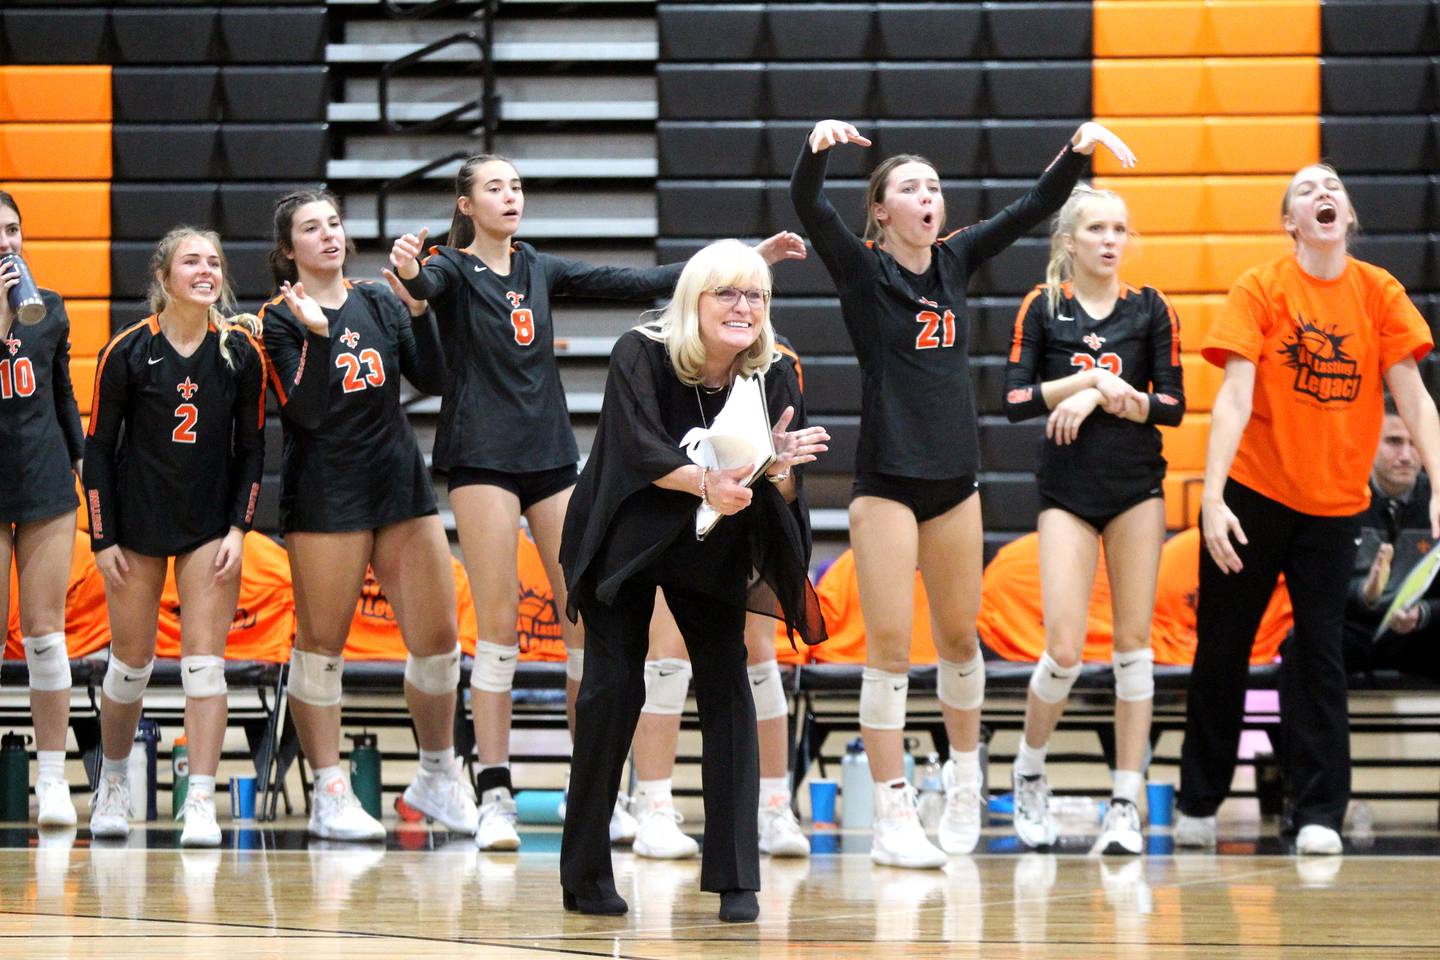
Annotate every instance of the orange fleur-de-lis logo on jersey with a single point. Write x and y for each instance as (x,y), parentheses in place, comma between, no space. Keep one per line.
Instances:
(1092,341)
(350,338)
(514,298)
(187,388)
(14,344)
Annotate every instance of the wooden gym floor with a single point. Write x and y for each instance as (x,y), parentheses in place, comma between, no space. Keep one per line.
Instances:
(273,893)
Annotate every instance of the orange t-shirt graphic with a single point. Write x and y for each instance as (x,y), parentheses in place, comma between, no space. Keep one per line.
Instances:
(1011,621)
(839,593)
(374,634)
(87,620)
(537,627)
(264,622)
(1321,349)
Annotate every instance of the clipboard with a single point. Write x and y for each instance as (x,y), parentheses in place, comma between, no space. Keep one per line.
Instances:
(739,435)
(1414,587)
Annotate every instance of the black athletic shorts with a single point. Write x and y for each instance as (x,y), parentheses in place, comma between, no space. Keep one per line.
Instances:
(531,488)
(1101,519)
(927,499)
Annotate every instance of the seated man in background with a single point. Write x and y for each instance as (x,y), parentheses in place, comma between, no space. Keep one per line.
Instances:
(1394,537)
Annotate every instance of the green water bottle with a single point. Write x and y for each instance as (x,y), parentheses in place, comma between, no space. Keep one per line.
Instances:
(14,778)
(179,774)
(365,771)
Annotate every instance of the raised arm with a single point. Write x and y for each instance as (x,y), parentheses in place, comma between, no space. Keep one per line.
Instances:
(297,343)
(422,357)
(426,277)
(576,278)
(837,245)
(1417,409)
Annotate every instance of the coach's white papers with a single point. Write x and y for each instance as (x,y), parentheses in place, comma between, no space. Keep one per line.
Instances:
(739,436)
(1412,589)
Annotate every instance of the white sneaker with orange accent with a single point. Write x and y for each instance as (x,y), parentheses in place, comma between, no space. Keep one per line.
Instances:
(336,814)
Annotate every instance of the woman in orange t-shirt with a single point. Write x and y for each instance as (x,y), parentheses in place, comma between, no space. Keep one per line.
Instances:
(1308,343)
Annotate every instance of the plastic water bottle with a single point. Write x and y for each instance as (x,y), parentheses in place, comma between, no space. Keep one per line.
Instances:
(142,770)
(179,774)
(857,788)
(932,794)
(910,744)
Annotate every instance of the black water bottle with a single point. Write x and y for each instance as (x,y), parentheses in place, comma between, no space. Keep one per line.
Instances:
(14,779)
(24,297)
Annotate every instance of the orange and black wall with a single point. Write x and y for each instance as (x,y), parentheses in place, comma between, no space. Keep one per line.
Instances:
(121,121)
(1222,101)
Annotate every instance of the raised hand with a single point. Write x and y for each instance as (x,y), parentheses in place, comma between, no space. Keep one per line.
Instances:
(1378,576)
(1091,135)
(305,309)
(783,246)
(794,447)
(726,490)
(827,133)
(405,253)
(9,276)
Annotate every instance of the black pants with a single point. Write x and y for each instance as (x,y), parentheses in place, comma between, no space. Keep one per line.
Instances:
(1416,653)
(611,695)
(1316,555)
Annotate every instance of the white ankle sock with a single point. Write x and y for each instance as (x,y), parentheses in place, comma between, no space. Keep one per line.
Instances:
(1030,761)
(438,761)
(199,783)
(324,776)
(1127,785)
(50,764)
(967,765)
(115,768)
(771,787)
(655,792)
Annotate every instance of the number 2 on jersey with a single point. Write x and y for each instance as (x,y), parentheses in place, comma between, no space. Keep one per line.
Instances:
(1110,361)
(349,364)
(17,379)
(184,431)
(927,339)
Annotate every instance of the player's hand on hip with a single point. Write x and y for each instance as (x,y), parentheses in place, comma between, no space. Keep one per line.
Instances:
(1092,135)
(827,133)
(1217,525)
(405,253)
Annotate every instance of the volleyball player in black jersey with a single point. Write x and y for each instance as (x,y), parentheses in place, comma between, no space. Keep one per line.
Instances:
(902,296)
(1102,360)
(504,437)
(41,446)
(355,492)
(172,469)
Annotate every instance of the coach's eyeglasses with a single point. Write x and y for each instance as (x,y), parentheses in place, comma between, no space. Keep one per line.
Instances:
(729,296)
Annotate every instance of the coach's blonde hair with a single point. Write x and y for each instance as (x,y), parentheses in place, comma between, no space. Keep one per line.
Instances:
(723,263)
(1061,268)
(161,262)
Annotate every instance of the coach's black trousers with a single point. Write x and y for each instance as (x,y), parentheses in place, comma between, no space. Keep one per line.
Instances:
(611,696)
(1316,555)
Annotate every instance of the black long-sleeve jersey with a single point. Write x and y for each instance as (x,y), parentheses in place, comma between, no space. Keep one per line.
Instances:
(503,407)
(351,461)
(912,333)
(40,432)
(175,448)
(1113,461)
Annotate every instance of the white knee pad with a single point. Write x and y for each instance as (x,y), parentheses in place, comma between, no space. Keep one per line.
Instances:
(768,690)
(436,675)
(1052,682)
(49,662)
(494,668)
(961,686)
(202,676)
(575,664)
(882,699)
(124,683)
(315,678)
(667,681)
(1134,674)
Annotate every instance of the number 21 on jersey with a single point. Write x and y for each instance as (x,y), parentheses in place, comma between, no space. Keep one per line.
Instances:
(937,331)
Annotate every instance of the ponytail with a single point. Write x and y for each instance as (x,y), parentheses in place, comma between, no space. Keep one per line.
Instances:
(246,323)
(462,228)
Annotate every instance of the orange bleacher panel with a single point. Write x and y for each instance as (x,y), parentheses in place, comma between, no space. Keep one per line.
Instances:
(55,93)
(72,268)
(55,151)
(1197,312)
(1202,381)
(62,211)
(1213,85)
(89,326)
(1182,498)
(1214,145)
(1199,263)
(82,375)
(1200,204)
(1206,28)
(1184,446)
